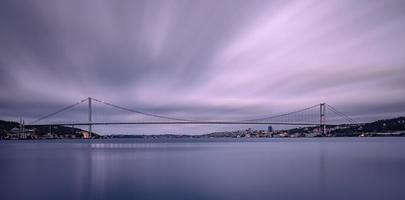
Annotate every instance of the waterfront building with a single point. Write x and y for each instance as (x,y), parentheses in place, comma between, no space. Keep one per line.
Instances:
(270,129)
(86,135)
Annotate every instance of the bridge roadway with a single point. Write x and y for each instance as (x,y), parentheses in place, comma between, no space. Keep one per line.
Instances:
(181,122)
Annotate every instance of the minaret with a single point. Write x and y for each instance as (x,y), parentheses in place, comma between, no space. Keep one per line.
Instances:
(20,128)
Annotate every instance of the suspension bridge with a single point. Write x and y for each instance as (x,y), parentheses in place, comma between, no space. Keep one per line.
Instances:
(315,115)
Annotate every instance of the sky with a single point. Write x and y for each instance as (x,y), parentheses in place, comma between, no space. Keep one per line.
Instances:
(203,59)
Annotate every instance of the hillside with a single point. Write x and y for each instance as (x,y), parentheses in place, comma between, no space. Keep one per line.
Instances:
(40,131)
(386,127)
(380,127)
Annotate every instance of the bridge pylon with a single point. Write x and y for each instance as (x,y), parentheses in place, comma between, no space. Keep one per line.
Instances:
(90,116)
(322,115)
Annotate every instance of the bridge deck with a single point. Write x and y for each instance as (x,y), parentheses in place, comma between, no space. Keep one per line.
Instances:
(185,122)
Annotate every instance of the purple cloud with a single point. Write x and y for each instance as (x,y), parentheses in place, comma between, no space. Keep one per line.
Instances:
(203,59)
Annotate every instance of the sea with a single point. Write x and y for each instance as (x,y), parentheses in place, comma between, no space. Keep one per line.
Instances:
(204,168)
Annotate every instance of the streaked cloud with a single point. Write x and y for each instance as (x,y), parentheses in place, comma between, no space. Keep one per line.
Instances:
(203,59)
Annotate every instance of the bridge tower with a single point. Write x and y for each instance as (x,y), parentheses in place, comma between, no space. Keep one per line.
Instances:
(322,115)
(90,115)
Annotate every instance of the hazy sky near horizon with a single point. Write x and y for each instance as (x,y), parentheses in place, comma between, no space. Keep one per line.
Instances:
(203,59)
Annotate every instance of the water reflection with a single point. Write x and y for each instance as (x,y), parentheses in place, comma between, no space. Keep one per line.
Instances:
(201,169)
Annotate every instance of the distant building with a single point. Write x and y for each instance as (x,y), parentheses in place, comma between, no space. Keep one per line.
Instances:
(283,134)
(49,136)
(15,130)
(16,133)
(86,135)
(270,129)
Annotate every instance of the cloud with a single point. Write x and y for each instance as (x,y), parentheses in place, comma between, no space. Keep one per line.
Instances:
(203,59)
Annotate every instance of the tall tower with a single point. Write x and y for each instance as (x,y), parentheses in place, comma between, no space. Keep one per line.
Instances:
(322,115)
(89,110)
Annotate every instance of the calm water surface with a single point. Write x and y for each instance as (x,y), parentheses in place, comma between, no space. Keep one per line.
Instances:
(323,168)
